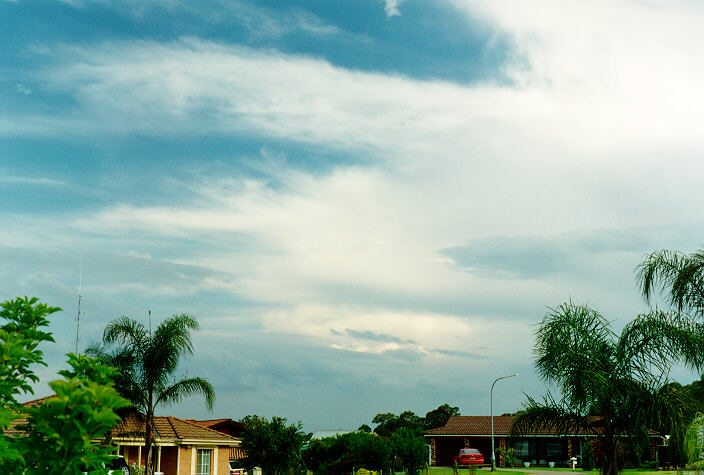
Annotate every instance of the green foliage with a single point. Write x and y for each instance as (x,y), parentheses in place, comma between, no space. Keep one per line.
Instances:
(677,277)
(509,455)
(58,432)
(20,337)
(388,423)
(610,385)
(364,428)
(694,441)
(61,430)
(438,417)
(135,469)
(272,445)
(677,448)
(408,448)
(346,452)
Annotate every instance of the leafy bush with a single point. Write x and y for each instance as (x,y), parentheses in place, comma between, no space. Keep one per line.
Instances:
(272,445)
(345,452)
(59,432)
(409,450)
(509,455)
(135,469)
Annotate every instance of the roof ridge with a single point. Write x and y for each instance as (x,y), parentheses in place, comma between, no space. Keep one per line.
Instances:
(37,400)
(185,421)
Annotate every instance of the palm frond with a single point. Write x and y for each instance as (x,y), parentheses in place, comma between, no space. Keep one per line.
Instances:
(659,339)
(126,331)
(170,341)
(657,271)
(187,387)
(574,347)
(678,277)
(548,416)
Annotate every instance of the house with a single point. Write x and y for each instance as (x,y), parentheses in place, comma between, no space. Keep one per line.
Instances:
(538,447)
(182,447)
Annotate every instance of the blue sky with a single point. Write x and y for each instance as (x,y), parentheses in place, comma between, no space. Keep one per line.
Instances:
(368,205)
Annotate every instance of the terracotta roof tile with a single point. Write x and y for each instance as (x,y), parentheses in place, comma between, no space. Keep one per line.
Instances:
(481,425)
(12,430)
(172,428)
(166,428)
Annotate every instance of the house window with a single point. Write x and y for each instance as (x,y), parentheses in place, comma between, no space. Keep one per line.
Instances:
(554,448)
(521,448)
(203,462)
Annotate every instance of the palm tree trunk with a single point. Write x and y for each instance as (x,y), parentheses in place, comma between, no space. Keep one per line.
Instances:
(148,440)
(610,465)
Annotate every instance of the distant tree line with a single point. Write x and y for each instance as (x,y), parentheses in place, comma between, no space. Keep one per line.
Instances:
(396,444)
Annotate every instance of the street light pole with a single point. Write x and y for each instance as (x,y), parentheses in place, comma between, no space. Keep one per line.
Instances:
(491,412)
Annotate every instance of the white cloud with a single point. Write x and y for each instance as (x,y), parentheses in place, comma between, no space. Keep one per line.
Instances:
(502,154)
(378,330)
(599,130)
(30,180)
(391,7)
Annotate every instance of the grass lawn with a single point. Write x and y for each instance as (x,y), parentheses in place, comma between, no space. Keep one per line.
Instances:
(628,471)
(448,471)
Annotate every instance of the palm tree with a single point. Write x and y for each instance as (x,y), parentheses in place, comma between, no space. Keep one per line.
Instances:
(680,277)
(610,385)
(147,362)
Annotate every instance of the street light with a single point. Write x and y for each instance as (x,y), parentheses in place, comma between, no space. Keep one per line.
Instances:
(491,412)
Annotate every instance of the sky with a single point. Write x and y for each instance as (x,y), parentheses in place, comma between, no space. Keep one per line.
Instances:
(368,205)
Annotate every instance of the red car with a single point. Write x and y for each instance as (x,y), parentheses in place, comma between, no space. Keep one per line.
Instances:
(469,456)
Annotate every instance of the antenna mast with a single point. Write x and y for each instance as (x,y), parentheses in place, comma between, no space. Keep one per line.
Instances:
(78,315)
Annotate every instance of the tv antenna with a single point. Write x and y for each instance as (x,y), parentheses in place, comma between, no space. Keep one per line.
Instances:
(78,315)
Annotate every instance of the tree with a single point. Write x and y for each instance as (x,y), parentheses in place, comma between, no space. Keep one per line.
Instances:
(147,362)
(678,277)
(439,417)
(611,385)
(347,452)
(20,337)
(694,442)
(408,448)
(388,423)
(59,434)
(272,445)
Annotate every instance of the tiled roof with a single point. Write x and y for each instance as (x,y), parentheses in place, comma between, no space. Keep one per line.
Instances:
(481,425)
(208,422)
(165,428)
(36,402)
(170,429)
(12,430)
(474,425)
